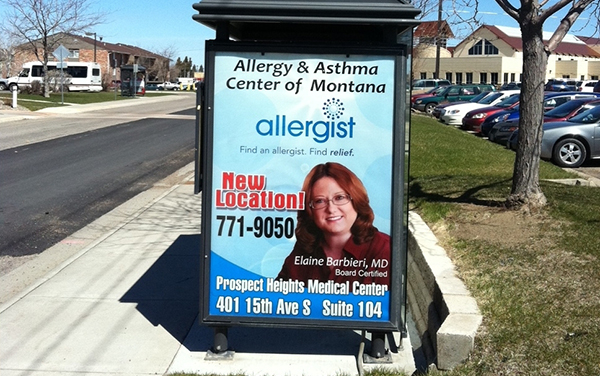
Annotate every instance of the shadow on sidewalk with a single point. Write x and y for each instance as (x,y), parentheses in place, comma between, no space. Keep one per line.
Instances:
(168,293)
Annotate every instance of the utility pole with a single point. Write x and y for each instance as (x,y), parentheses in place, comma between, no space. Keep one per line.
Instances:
(438,41)
(89,35)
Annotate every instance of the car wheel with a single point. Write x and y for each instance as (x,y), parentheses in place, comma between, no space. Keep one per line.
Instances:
(3,86)
(569,152)
(13,87)
(429,108)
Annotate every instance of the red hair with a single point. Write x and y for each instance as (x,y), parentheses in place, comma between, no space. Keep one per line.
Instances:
(308,235)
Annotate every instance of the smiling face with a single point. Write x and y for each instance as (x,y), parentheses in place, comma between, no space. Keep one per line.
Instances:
(332,219)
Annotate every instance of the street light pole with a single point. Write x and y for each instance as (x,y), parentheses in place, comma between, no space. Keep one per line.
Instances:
(89,35)
(438,41)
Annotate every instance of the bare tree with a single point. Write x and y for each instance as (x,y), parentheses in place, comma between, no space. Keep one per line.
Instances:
(161,67)
(526,191)
(42,23)
(7,53)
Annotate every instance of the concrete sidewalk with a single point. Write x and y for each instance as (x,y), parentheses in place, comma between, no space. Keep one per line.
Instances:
(8,114)
(126,303)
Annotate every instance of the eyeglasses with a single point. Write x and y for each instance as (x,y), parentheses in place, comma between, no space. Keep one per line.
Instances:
(337,200)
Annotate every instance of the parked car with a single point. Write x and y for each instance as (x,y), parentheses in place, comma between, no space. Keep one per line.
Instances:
(572,108)
(452,93)
(557,84)
(423,85)
(453,115)
(586,86)
(597,87)
(153,87)
(511,86)
(563,112)
(506,124)
(570,143)
(432,92)
(438,109)
(474,118)
(169,86)
(3,84)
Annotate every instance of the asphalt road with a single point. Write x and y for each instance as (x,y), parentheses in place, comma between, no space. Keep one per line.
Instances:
(52,188)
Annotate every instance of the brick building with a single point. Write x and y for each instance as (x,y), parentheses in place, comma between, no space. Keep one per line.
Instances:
(110,56)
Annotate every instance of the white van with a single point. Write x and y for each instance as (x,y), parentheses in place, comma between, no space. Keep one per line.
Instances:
(82,76)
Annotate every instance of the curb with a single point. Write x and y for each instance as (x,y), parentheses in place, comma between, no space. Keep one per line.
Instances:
(445,314)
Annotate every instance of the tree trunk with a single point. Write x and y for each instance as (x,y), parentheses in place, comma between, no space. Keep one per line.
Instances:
(526,189)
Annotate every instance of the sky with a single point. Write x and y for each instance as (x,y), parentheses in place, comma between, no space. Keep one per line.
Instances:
(490,13)
(156,25)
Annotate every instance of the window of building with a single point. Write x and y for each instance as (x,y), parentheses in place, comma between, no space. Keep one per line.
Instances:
(458,77)
(73,54)
(483,78)
(483,47)
(521,77)
(566,76)
(494,78)
(490,49)
(505,78)
(469,77)
(512,77)
(423,75)
(582,77)
(593,77)
(449,76)
(476,49)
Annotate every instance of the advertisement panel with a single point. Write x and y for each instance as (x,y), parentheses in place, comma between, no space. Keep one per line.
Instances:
(298,189)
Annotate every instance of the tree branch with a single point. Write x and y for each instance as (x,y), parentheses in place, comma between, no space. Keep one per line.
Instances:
(567,21)
(509,8)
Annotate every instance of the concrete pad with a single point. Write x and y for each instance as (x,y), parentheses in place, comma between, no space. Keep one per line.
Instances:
(286,352)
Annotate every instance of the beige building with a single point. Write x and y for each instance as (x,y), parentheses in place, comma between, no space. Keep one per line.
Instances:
(494,54)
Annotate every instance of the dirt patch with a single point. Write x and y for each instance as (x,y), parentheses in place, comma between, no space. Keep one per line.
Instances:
(6,104)
(495,225)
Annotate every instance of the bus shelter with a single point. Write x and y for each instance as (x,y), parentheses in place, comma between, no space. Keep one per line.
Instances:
(296,95)
(133,80)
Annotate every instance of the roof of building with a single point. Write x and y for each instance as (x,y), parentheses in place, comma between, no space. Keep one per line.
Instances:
(429,29)
(595,42)
(570,45)
(119,47)
(73,40)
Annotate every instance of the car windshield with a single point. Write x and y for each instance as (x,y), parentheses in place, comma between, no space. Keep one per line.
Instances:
(478,97)
(490,98)
(507,102)
(564,109)
(588,117)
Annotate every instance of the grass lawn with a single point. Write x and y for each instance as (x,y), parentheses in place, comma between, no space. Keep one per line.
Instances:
(36,102)
(536,276)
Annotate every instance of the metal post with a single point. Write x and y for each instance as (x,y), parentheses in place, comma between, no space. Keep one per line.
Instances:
(220,340)
(378,353)
(377,345)
(14,88)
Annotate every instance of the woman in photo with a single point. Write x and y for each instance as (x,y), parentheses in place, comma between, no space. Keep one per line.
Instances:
(335,236)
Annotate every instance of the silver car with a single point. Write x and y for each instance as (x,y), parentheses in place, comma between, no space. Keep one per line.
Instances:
(570,143)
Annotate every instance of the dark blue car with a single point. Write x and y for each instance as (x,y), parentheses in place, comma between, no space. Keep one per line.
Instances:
(499,126)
